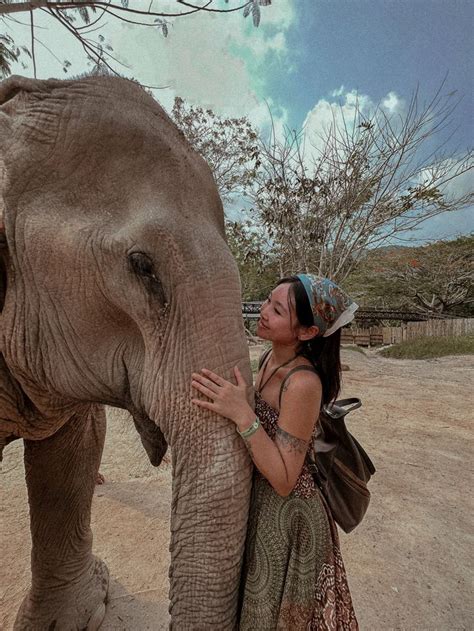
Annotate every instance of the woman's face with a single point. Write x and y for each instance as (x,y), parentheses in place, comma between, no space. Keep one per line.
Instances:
(278,321)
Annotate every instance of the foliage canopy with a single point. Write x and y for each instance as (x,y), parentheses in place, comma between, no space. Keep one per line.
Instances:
(435,278)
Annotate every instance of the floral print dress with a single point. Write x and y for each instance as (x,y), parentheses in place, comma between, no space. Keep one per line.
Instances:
(293,576)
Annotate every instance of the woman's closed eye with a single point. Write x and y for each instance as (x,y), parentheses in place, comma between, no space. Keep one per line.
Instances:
(269,301)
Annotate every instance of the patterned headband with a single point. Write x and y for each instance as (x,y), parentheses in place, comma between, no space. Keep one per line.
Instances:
(332,308)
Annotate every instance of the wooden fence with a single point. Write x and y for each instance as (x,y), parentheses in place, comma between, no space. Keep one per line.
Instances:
(384,335)
(442,328)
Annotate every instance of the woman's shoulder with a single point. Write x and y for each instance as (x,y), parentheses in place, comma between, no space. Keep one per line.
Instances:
(303,374)
(302,380)
(303,369)
(300,402)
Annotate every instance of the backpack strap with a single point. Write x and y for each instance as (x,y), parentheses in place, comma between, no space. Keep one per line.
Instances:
(288,375)
(339,408)
(262,362)
(263,358)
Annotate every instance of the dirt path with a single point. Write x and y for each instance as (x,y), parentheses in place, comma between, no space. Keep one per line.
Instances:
(410,562)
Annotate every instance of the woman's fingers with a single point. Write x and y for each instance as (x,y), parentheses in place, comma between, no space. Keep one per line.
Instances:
(238,376)
(210,394)
(207,405)
(217,379)
(212,385)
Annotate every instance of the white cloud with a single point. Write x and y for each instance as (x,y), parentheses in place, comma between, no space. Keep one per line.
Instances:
(338,92)
(212,61)
(281,14)
(268,117)
(339,112)
(456,185)
(332,114)
(194,62)
(445,226)
(216,61)
(392,103)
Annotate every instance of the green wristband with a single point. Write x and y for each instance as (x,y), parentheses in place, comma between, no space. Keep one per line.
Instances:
(250,430)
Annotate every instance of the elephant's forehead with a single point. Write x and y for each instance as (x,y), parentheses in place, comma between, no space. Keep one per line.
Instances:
(104,145)
(99,126)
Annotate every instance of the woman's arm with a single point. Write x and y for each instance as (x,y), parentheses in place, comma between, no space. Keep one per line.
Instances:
(279,461)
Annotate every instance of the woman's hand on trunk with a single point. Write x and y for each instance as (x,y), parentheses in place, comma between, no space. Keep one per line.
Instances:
(225,398)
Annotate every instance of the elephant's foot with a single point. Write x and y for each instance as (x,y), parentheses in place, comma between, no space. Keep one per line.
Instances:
(79,605)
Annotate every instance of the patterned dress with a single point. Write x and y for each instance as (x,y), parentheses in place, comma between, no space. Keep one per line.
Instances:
(293,575)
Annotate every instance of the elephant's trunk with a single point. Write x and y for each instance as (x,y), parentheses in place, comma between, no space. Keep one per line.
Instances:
(211,486)
(211,475)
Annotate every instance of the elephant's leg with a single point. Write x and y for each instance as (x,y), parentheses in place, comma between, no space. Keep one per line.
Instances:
(69,585)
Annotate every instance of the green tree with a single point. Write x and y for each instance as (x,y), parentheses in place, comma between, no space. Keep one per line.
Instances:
(435,278)
(229,145)
(258,269)
(231,148)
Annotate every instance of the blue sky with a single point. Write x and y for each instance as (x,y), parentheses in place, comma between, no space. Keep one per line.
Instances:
(379,47)
(306,56)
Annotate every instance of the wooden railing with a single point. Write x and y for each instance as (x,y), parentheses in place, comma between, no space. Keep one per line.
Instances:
(413,325)
(251,311)
(384,335)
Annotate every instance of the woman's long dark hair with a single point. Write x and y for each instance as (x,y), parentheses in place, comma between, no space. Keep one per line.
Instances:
(323,352)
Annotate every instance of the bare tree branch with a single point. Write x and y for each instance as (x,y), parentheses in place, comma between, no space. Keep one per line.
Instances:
(33,44)
(372,178)
(16,7)
(63,11)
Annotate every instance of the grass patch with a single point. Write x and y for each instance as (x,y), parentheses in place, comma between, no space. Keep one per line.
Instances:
(353,347)
(428,347)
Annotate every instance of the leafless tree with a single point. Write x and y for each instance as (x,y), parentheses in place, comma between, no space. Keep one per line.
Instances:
(372,179)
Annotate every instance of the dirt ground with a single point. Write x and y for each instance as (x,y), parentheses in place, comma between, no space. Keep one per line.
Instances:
(410,563)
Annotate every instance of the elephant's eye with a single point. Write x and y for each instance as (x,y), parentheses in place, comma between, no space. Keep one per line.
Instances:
(142,265)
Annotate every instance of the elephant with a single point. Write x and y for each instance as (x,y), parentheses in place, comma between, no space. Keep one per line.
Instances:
(116,283)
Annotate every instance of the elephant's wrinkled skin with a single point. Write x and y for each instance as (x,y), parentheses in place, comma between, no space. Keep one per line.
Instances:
(115,284)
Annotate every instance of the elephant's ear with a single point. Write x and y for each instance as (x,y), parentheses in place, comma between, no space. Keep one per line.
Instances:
(14,94)
(10,87)
(3,251)
(14,84)
(13,407)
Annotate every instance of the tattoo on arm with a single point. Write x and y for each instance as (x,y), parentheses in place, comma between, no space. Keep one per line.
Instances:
(290,442)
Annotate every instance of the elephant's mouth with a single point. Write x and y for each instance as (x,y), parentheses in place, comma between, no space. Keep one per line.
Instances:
(152,438)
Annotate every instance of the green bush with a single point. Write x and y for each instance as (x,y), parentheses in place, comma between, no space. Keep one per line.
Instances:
(427,347)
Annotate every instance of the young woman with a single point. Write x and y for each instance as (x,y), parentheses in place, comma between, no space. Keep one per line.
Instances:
(293,576)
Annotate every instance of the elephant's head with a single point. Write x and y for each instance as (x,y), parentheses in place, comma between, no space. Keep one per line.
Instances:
(115,284)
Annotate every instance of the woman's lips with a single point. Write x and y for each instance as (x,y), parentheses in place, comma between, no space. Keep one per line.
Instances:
(260,323)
